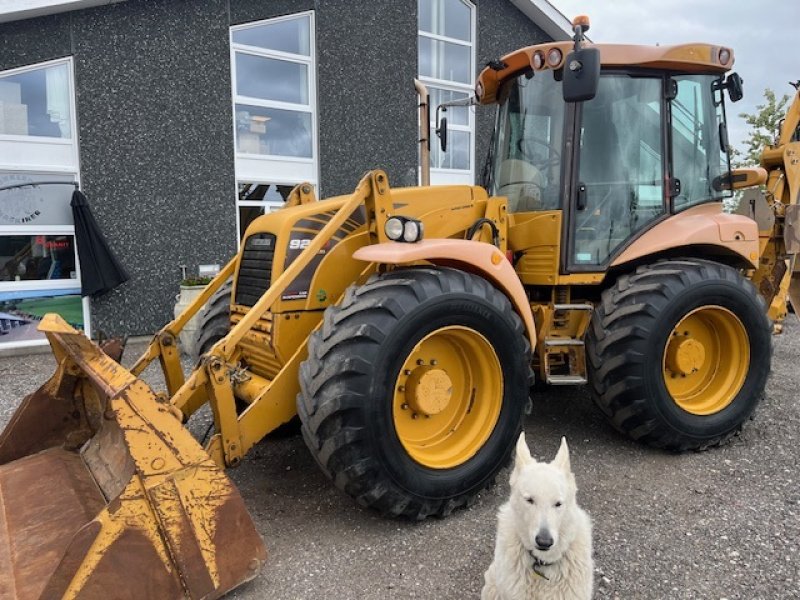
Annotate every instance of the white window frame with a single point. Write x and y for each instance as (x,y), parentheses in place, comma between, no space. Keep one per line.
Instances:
(270,205)
(47,156)
(276,169)
(441,176)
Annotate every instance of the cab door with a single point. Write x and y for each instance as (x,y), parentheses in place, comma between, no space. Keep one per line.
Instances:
(618,185)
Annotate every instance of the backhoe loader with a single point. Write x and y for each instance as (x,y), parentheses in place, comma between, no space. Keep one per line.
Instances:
(405,328)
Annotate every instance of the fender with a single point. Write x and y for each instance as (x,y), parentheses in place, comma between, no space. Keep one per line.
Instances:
(704,224)
(478,258)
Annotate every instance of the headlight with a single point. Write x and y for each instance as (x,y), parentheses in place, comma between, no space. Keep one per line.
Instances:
(403,229)
(394,228)
(412,231)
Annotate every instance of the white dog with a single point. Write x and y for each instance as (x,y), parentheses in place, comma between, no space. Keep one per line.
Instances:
(544,539)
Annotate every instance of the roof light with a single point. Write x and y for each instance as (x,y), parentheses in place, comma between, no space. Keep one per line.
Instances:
(538,60)
(581,21)
(554,57)
(724,56)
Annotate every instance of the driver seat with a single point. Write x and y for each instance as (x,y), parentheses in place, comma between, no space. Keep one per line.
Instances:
(521,183)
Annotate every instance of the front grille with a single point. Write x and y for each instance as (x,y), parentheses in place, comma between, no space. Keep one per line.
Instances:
(255,268)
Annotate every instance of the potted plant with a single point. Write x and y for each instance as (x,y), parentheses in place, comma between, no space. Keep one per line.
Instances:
(191,287)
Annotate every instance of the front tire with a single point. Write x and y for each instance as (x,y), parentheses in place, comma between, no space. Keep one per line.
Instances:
(679,353)
(414,390)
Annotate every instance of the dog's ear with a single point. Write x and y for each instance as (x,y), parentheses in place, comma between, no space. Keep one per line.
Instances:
(523,452)
(523,457)
(562,458)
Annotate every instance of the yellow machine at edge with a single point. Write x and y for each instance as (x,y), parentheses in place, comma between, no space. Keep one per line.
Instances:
(406,327)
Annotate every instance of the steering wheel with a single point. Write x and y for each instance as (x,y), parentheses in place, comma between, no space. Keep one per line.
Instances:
(554,156)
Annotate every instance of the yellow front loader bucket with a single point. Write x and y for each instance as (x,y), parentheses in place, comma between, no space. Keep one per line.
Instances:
(104,494)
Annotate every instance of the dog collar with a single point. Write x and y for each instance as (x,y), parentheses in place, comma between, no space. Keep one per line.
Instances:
(538,563)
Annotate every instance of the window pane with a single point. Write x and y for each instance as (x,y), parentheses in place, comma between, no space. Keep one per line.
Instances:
(273,131)
(264,192)
(37,257)
(291,35)
(40,205)
(20,312)
(457,155)
(36,103)
(450,18)
(271,79)
(443,60)
(529,143)
(697,154)
(456,115)
(621,166)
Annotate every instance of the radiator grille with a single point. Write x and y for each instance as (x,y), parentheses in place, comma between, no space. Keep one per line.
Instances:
(255,269)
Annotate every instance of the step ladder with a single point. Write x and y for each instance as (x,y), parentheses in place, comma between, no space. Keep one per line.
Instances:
(562,350)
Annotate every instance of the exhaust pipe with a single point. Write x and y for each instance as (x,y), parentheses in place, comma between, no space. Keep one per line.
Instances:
(424,132)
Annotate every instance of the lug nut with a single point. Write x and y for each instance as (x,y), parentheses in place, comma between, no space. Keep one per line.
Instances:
(404,406)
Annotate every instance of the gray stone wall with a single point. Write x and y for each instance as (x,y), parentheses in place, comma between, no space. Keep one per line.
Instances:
(154,119)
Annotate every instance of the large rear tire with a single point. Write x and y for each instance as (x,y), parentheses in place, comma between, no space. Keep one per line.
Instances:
(414,390)
(679,353)
(215,321)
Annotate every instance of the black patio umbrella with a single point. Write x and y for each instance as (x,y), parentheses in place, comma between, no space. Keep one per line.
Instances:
(101,272)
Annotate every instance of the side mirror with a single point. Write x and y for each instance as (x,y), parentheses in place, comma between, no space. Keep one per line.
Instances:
(581,75)
(734,85)
(441,133)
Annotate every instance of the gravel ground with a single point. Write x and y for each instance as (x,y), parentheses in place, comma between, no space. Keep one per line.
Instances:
(719,524)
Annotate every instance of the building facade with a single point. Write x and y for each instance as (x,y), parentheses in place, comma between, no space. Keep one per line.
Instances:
(184,120)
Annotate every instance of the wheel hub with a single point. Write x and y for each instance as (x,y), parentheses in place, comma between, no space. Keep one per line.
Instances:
(447,397)
(685,356)
(706,360)
(429,390)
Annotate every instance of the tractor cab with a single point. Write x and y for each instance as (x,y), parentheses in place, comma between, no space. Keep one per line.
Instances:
(642,139)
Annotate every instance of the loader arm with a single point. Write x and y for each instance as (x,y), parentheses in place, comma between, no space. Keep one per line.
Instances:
(777,276)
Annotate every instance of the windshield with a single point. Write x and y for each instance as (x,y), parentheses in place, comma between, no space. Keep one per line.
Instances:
(528,143)
(699,153)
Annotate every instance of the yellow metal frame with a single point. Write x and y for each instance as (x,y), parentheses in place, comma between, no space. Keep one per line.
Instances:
(218,375)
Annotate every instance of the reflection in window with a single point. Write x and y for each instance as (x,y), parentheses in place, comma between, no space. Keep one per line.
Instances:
(287,35)
(444,60)
(271,79)
(37,257)
(446,66)
(21,311)
(449,18)
(529,143)
(273,131)
(36,102)
(256,199)
(621,166)
(698,156)
(273,94)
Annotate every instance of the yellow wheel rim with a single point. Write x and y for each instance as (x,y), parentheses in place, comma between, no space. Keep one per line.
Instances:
(706,360)
(447,397)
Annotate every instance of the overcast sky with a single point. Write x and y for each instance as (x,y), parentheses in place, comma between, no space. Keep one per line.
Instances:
(763,36)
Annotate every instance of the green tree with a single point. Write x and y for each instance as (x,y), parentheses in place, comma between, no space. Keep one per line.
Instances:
(764,129)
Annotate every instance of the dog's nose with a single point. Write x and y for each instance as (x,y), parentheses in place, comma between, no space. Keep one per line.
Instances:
(544,540)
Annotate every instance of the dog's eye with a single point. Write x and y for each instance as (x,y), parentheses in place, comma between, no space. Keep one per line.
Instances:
(558,504)
(529,500)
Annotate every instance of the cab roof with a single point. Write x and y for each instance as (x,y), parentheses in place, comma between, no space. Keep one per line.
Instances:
(683,58)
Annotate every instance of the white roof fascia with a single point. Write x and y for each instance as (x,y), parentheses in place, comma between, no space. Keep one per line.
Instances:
(16,10)
(547,17)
